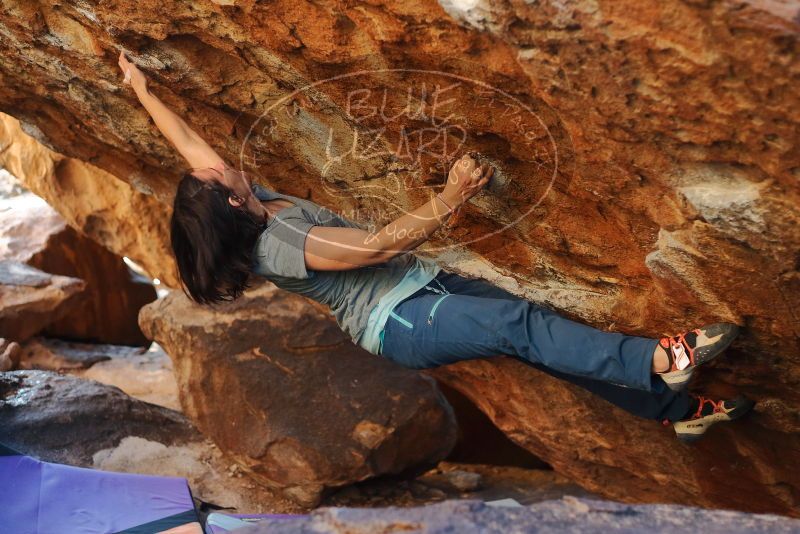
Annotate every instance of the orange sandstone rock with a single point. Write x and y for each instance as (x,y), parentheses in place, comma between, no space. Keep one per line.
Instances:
(648,151)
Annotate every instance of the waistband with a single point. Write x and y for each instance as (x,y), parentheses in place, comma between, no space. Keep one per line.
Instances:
(429,288)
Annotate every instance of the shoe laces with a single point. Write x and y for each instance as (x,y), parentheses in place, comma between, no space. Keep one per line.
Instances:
(676,344)
(718,406)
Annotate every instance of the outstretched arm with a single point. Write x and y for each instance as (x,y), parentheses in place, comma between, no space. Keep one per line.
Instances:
(190,145)
(339,249)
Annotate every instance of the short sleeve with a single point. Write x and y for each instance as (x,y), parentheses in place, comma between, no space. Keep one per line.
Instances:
(280,250)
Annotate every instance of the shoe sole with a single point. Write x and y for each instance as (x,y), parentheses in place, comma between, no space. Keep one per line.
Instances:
(678,380)
(743,406)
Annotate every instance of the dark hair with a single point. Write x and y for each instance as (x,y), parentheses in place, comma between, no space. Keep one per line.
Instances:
(212,241)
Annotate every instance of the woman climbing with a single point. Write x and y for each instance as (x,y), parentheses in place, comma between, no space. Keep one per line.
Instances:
(406,308)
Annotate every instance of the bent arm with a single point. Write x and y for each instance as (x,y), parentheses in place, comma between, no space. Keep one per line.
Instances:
(185,140)
(341,249)
(338,249)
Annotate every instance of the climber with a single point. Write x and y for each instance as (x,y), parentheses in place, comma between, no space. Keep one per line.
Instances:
(407,308)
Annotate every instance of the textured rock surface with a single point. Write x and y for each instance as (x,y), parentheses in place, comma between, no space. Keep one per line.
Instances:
(569,514)
(66,419)
(9,354)
(31,299)
(93,202)
(33,233)
(274,382)
(46,354)
(739,466)
(663,140)
(145,374)
(525,486)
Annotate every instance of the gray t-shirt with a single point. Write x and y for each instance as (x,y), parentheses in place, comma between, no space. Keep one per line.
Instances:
(352,294)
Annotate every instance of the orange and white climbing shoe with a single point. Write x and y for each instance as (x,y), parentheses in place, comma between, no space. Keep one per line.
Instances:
(704,412)
(687,351)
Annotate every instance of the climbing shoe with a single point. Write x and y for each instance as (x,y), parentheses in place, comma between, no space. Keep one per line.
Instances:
(704,412)
(686,351)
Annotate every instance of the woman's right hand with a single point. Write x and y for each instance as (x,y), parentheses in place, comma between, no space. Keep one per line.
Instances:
(339,249)
(133,75)
(465,179)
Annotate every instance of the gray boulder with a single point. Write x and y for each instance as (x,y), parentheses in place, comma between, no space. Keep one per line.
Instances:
(64,419)
(569,514)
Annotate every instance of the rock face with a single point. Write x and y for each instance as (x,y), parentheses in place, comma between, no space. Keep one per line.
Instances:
(648,170)
(274,382)
(569,514)
(457,481)
(93,202)
(33,233)
(580,435)
(31,299)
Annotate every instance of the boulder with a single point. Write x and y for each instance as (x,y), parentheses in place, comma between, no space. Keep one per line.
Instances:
(9,354)
(145,374)
(647,171)
(93,202)
(450,480)
(569,514)
(48,354)
(273,382)
(34,233)
(30,299)
(65,419)
(579,435)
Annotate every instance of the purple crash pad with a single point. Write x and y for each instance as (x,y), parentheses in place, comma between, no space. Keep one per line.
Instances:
(45,498)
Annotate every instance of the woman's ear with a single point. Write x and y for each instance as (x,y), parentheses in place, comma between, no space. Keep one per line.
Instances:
(235,200)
